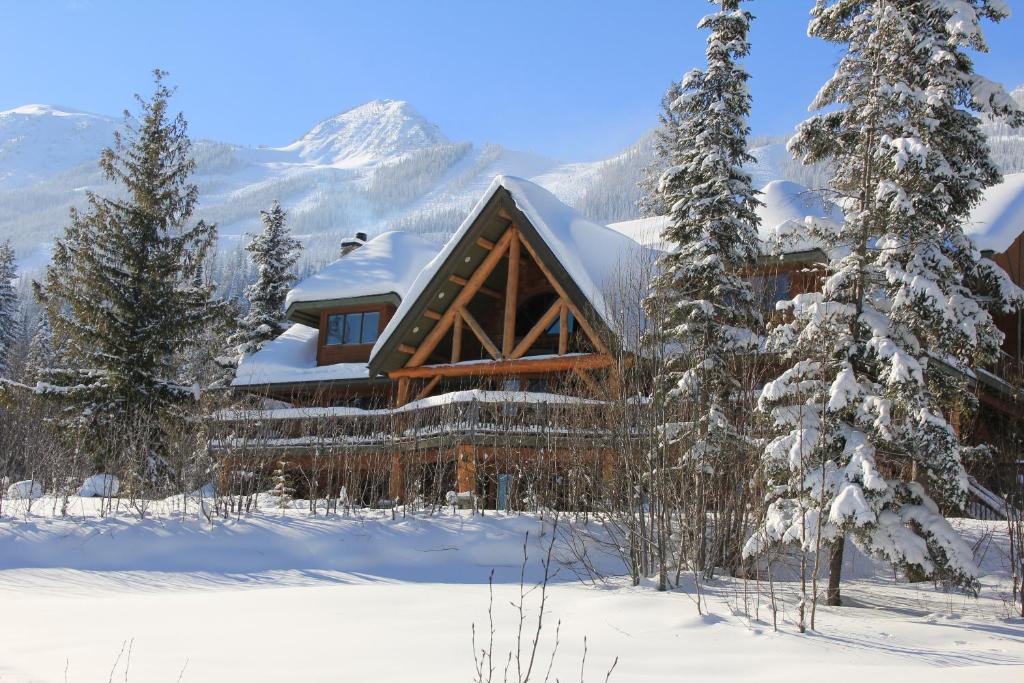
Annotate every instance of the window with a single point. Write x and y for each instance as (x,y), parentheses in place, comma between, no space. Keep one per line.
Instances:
(353,328)
(769,289)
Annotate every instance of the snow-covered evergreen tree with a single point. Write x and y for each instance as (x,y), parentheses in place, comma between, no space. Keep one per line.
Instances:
(274,253)
(876,362)
(40,349)
(283,489)
(123,291)
(666,142)
(701,303)
(10,322)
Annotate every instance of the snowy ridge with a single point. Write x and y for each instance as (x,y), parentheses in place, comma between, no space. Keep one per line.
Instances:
(38,140)
(376,167)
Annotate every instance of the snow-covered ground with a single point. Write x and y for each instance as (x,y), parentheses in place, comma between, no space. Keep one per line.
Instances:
(282,596)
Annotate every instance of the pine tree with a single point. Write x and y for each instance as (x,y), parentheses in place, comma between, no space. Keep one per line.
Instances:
(701,301)
(666,142)
(124,291)
(283,489)
(877,361)
(9,320)
(41,353)
(274,253)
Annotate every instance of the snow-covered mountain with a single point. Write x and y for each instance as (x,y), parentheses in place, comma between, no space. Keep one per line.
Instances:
(374,167)
(370,133)
(37,141)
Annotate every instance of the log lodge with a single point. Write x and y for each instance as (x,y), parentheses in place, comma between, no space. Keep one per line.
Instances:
(448,367)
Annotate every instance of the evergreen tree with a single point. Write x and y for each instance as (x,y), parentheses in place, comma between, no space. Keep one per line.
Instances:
(701,301)
(666,142)
(10,327)
(124,291)
(274,253)
(877,362)
(283,489)
(40,350)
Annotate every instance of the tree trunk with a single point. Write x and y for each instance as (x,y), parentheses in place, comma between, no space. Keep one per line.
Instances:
(835,572)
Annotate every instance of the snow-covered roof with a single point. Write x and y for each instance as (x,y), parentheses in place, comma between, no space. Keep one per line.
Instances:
(292,358)
(645,231)
(998,219)
(592,254)
(784,203)
(386,264)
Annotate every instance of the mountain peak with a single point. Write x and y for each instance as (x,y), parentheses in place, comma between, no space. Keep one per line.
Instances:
(368,133)
(41,110)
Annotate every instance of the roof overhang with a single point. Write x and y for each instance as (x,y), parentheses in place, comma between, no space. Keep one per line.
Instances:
(308,312)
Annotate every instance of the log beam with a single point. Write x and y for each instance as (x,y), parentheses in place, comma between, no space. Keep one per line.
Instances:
(486,291)
(435,335)
(480,334)
(403,392)
(538,329)
(521,366)
(508,334)
(457,339)
(428,388)
(563,330)
(587,329)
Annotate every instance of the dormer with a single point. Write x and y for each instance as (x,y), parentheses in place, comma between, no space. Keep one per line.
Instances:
(351,300)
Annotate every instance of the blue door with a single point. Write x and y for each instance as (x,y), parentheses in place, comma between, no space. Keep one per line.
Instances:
(504,481)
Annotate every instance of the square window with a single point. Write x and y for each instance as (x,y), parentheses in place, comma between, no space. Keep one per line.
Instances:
(371,321)
(353,328)
(335,326)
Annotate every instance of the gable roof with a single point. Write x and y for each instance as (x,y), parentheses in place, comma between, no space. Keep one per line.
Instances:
(583,255)
(385,266)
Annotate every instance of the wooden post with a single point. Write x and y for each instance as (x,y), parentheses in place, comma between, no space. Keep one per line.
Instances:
(457,339)
(465,467)
(563,329)
(396,483)
(508,337)
(403,392)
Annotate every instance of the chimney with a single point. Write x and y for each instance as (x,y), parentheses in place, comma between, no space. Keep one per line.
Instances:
(350,244)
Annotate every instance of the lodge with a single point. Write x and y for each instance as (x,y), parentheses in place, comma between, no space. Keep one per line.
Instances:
(456,368)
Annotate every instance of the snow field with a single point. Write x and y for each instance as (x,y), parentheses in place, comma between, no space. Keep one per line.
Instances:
(281,596)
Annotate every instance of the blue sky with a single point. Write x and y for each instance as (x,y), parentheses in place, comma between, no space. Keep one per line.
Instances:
(571,79)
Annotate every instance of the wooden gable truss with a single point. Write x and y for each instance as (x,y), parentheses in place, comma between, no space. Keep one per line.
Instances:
(507,358)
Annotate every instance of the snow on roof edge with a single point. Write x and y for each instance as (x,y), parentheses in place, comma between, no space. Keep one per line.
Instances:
(385,264)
